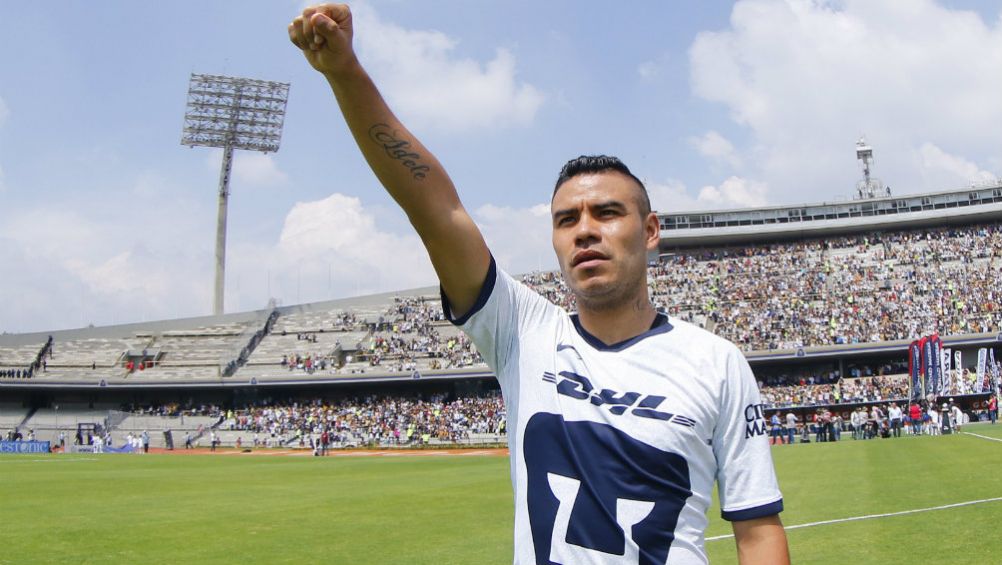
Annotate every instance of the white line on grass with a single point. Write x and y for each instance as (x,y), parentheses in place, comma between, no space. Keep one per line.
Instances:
(58,459)
(981,436)
(871,516)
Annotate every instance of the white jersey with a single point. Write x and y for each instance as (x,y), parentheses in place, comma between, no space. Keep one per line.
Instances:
(615,449)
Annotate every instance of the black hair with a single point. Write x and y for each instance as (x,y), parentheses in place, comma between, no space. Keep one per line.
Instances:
(586,164)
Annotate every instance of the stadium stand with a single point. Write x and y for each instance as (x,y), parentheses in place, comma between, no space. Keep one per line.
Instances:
(21,359)
(824,316)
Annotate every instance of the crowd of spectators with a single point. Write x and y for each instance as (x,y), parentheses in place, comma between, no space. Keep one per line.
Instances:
(843,391)
(866,288)
(408,331)
(372,420)
(173,409)
(873,287)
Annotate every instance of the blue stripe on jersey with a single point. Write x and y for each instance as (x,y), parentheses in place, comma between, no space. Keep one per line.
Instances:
(770,509)
(485,293)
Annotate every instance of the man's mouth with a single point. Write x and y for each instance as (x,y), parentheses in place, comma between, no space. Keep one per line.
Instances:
(587,258)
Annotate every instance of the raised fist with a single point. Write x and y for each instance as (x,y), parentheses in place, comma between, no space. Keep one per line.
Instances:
(324,34)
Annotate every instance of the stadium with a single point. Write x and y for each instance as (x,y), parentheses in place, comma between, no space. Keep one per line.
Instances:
(366,427)
(824,299)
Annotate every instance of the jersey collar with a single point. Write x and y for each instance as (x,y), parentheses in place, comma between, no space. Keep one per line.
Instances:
(660,325)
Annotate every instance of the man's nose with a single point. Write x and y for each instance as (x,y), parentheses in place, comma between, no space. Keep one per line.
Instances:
(586,229)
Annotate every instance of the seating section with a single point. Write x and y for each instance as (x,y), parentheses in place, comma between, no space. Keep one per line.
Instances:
(869,288)
(371,421)
(87,358)
(406,334)
(16,359)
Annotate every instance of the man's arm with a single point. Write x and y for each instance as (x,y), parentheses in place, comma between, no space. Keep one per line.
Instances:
(761,541)
(408,171)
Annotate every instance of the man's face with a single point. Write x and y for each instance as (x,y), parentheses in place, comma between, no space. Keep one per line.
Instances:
(600,238)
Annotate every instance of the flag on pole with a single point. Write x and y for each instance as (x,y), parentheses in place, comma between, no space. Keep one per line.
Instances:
(946,382)
(935,364)
(914,371)
(979,383)
(958,372)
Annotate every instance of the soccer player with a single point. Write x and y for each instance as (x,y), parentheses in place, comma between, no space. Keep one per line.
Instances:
(620,419)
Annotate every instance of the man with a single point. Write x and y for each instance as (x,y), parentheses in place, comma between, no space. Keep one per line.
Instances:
(933,424)
(856,419)
(956,417)
(791,427)
(619,418)
(895,413)
(876,420)
(776,429)
(915,416)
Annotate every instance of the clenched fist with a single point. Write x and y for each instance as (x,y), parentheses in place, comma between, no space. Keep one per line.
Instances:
(324,34)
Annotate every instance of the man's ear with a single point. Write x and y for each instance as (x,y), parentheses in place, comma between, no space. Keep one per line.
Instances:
(652,231)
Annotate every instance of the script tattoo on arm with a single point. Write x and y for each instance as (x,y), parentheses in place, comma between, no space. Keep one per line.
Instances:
(398,149)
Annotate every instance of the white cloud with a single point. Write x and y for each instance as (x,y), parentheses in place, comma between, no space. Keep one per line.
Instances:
(433,88)
(951,170)
(519,238)
(648,70)
(670,197)
(328,248)
(250,168)
(715,147)
(74,267)
(807,78)
(734,192)
(122,274)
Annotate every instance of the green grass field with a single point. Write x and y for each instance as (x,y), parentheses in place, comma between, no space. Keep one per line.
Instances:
(414,510)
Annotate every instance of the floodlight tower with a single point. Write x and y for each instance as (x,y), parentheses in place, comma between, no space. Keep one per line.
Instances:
(232,113)
(869,187)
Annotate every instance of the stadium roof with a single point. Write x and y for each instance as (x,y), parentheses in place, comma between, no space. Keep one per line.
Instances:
(750,225)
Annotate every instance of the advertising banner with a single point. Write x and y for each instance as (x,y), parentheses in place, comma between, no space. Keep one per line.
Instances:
(24,447)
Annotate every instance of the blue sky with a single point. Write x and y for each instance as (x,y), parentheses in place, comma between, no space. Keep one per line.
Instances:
(105,218)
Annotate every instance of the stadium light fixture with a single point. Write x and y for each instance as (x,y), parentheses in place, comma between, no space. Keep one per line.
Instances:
(869,187)
(232,113)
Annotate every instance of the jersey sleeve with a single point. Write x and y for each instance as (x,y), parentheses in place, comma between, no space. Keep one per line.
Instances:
(500,315)
(746,479)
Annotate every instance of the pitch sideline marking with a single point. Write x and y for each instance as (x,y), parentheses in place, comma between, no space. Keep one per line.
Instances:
(871,516)
(60,459)
(981,436)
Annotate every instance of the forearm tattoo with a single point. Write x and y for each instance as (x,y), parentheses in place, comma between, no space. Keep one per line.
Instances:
(399,149)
